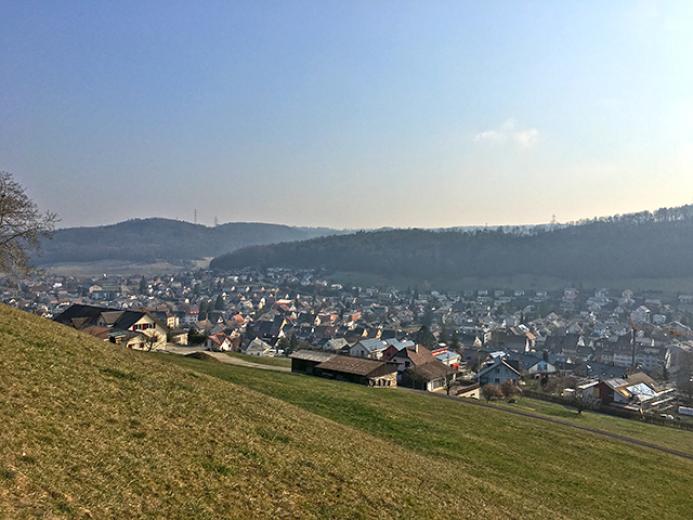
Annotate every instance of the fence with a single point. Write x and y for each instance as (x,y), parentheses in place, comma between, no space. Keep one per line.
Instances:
(608,410)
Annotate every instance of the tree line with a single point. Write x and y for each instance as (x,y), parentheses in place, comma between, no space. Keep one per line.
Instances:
(646,244)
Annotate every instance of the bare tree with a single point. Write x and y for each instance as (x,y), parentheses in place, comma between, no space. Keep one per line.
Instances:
(509,389)
(449,380)
(22,225)
(583,401)
(150,341)
(491,391)
(684,377)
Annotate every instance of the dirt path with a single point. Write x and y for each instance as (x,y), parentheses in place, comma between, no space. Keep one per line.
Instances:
(224,358)
(230,360)
(604,433)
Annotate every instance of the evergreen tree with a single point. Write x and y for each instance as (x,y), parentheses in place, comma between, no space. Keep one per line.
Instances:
(443,337)
(425,337)
(454,340)
(427,318)
(203,310)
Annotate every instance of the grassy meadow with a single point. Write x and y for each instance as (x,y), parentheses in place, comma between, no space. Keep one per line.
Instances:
(677,439)
(531,458)
(93,431)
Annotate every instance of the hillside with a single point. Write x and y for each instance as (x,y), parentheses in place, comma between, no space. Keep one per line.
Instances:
(93,431)
(643,245)
(154,239)
(561,469)
(90,431)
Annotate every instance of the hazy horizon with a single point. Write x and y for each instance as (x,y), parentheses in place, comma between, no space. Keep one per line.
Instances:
(348,115)
(200,222)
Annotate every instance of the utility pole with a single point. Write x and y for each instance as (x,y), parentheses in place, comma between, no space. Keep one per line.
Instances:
(195,216)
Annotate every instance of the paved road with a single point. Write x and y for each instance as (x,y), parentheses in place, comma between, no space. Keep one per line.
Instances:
(597,431)
(225,358)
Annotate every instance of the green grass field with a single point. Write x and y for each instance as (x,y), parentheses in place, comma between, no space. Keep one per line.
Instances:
(661,435)
(670,286)
(93,431)
(270,361)
(565,467)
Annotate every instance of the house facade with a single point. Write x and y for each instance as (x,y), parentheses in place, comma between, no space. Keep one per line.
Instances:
(498,373)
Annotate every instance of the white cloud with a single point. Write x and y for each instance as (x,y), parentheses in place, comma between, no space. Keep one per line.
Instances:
(526,138)
(508,131)
(489,135)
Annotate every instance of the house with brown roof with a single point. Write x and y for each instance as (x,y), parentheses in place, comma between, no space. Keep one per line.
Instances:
(219,342)
(432,377)
(419,369)
(412,356)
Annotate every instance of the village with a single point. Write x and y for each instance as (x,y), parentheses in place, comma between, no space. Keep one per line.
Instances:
(620,351)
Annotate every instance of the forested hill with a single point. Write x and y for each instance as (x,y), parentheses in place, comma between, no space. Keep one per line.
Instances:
(147,240)
(650,245)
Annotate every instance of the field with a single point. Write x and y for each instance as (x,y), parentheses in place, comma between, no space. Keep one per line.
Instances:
(270,361)
(92,431)
(664,436)
(532,459)
(668,286)
(120,267)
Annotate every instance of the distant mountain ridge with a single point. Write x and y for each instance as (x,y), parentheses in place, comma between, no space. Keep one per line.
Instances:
(154,239)
(647,244)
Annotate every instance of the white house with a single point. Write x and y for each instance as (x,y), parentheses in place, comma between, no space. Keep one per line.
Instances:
(257,347)
(368,348)
(218,343)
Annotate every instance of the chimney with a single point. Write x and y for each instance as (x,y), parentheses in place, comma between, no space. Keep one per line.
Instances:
(416,348)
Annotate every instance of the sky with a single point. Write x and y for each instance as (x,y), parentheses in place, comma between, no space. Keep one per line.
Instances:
(355,114)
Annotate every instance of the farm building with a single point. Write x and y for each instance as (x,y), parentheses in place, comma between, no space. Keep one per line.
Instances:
(344,368)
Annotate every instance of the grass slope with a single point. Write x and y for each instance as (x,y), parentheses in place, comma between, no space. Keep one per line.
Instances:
(89,430)
(92,431)
(572,473)
(663,436)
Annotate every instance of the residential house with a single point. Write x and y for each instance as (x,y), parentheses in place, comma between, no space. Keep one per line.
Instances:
(219,342)
(335,345)
(368,348)
(145,332)
(448,357)
(433,376)
(258,347)
(498,372)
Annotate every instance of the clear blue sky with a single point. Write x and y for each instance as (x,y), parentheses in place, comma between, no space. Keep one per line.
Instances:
(348,114)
